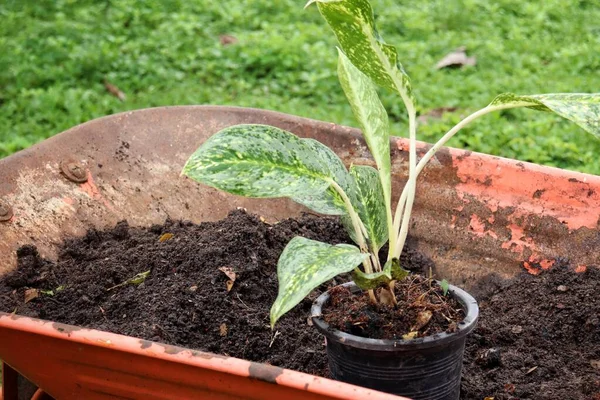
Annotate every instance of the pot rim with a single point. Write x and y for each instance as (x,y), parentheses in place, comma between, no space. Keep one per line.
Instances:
(465,326)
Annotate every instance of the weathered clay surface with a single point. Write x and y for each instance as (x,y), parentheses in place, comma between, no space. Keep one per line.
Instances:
(474,213)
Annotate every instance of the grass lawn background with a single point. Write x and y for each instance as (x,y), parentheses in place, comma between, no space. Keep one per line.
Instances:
(54,56)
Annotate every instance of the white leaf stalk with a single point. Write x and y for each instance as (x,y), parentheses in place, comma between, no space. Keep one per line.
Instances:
(357,224)
(359,229)
(405,203)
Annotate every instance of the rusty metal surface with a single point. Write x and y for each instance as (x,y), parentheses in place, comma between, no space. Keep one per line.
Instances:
(474,214)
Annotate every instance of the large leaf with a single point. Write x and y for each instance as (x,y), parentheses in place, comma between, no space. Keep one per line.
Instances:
(370,205)
(371,116)
(581,108)
(391,271)
(259,161)
(329,201)
(304,265)
(354,26)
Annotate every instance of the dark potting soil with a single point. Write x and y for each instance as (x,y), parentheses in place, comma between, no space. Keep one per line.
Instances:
(538,336)
(422,310)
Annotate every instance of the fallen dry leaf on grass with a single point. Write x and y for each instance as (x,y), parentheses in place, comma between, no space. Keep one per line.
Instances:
(227,40)
(458,58)
(115,91)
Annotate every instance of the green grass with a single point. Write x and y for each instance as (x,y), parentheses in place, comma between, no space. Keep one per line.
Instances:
(54,56)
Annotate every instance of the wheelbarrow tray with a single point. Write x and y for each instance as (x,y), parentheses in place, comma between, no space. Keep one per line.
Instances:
(474,214)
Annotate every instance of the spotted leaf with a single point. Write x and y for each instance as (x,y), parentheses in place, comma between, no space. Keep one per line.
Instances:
(371,115)
(304,265)
(581,108)
(353,23)
(328,201)
(370,206)
(259,161)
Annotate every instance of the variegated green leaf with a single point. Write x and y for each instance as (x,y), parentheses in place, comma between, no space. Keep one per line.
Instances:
(304,265)
(328,201)
(370,206)
(581,108)
(391,271)
(371,116)
(259,161)
(354,26)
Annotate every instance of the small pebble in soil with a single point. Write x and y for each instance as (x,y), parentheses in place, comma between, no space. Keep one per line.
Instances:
(490,358)
(517,329)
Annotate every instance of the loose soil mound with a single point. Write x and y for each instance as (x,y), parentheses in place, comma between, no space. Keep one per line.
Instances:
(538,336)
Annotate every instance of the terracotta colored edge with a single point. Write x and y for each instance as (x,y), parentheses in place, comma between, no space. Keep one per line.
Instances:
(235,366)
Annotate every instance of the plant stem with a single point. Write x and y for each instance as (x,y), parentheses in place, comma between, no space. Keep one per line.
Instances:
(356,223)
(409,190)
(411,185)
(392,233)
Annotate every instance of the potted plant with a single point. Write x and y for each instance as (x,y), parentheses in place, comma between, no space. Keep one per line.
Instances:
(423,357)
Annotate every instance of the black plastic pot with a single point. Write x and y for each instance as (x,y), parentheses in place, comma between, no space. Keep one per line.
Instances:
(423,369)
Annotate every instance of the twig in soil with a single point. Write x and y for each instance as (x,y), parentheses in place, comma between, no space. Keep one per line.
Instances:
(103,313)
(447,318)
(244,304)
(274,337)
(531,370)
(410,286)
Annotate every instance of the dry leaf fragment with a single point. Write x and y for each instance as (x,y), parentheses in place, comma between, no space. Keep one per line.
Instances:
(410,335)
(227,40)
(517,329)
(193,288)
(423,319)
(562,288)
(223,329)
(115,91)
(31,294)
(386,297)
(509,388)
(457,58)
(229,272)
(165,236)
(595,364)
(488,398)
